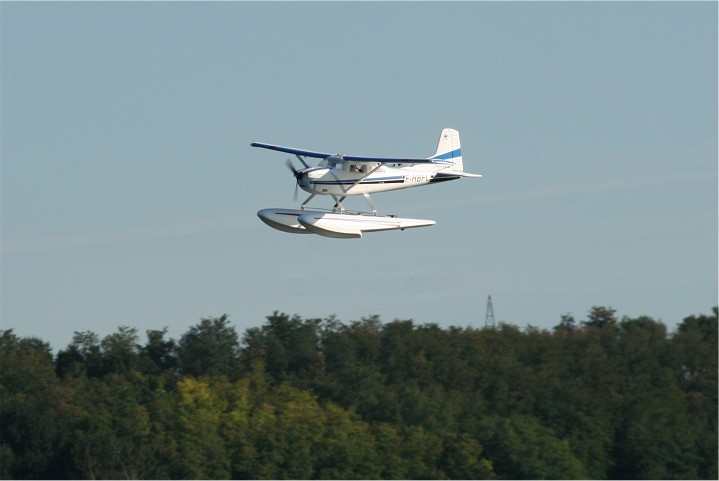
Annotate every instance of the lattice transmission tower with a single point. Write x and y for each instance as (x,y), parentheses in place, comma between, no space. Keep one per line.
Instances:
(489,315)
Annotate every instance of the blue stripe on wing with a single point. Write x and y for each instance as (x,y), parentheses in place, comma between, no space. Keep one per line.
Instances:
(354,158)
(386,160)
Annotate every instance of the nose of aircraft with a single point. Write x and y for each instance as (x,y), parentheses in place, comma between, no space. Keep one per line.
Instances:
(302,179)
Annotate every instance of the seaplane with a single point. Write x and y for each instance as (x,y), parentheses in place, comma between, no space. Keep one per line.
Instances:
(340,176)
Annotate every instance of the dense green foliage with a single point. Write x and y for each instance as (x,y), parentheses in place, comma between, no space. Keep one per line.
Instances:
(309,398)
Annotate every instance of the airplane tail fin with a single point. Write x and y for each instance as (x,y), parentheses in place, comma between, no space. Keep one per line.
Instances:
(449,152)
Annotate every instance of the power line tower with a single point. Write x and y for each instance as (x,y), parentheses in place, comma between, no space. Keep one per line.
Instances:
(489,315)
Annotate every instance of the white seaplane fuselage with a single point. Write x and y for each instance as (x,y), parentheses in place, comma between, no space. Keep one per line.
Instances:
(347,178)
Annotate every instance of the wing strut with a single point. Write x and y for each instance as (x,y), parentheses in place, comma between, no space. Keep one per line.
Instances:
(366,196)
(302,161)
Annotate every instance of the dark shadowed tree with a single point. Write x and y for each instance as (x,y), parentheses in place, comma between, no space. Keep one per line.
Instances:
(210,348)
(120,351)
(34,411)
(82,356)
(693,354)
(601,317)
(291,347)
(159,354)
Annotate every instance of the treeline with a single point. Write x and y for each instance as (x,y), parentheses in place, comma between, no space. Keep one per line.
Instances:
(317,398)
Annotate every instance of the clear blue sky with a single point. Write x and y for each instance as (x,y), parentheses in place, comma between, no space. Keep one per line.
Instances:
(130,191)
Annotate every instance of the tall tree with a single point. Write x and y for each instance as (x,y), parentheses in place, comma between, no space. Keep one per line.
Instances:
(159,354)
(210,348)
(693,354)
(35,411)
(113,436)
(289,347)
(83,357)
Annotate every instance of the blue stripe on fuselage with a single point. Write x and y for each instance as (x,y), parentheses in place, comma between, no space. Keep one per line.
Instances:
(448,155)
(364,181)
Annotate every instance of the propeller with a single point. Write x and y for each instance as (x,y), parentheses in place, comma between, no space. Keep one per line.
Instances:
(297,175)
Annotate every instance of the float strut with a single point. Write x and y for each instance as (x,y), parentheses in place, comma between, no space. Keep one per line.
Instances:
(371,204)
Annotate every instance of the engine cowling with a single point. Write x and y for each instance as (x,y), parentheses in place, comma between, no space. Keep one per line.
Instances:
(317,172)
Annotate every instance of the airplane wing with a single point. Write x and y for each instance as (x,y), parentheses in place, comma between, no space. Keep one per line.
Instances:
(354,158)
(290,150)
(386,160)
